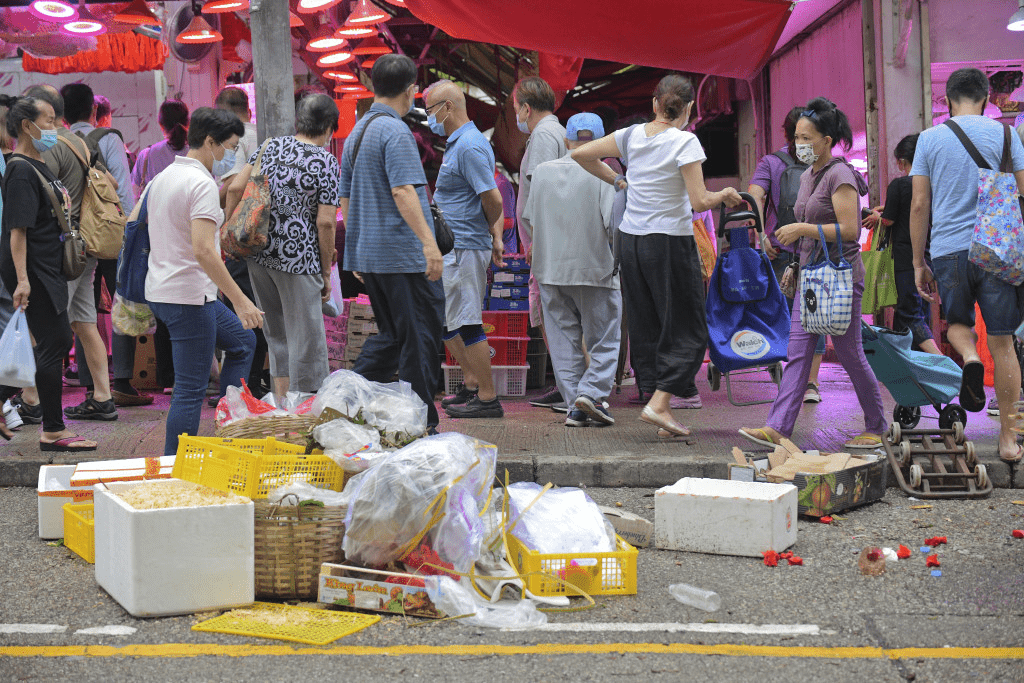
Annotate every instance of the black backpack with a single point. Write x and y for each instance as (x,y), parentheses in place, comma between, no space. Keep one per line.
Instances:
(92,141)
(789,188)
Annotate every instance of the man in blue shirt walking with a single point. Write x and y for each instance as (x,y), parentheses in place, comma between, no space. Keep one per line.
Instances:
(389,237)
(468,195)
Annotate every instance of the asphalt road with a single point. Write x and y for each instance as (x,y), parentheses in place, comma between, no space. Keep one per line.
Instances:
(967,625)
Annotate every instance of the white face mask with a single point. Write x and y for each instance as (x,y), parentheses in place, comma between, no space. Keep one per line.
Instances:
(805,153)
(523,125)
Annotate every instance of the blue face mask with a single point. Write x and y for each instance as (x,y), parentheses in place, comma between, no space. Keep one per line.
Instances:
(48,139)
(222,166)
(436,127)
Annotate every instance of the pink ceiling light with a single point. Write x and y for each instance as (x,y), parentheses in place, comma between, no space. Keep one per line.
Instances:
(85,25)
(53,10)
(366,13)
(314,6)
(334,59)
(221,6)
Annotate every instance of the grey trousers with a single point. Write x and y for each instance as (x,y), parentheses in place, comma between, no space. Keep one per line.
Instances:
(293,324)
(572,314)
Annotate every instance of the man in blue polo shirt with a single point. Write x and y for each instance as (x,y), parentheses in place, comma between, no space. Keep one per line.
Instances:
(389,237)
(468,195)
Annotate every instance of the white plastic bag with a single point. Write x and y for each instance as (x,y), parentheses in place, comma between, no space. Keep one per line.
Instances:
(131,318)
(391,502)
(458,536)
(393,409)
(562,521)
(17,362)
(346,437)
(454,599)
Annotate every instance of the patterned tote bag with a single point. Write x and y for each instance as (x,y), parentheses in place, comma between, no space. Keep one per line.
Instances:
(826,292)
(997,245)
(247,232)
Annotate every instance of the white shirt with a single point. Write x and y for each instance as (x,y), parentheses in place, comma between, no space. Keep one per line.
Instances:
(246,146)
(181,193)
(658,202)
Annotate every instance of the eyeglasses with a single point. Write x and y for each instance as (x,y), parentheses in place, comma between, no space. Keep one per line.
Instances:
(436,105)
(233,149)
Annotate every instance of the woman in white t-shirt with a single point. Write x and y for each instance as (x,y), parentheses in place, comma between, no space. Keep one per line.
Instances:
(186,270)
(661,277)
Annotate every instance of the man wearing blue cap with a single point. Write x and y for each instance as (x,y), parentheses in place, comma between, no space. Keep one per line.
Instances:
(571,214)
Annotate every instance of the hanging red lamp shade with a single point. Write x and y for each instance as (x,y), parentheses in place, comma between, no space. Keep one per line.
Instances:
(137,12)
(53,10)
(396,3)
(343,76)
(294,21)
(85,25)
(334,59)
(199,31)
(371,46)
(367,64)
(220,6)
(355,87)
(326,41)
(314,6)
(350,32)
(366,13)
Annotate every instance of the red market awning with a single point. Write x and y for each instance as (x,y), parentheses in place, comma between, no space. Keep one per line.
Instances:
(731,38)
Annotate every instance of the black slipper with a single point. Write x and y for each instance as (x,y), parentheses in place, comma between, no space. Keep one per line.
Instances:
(972,387)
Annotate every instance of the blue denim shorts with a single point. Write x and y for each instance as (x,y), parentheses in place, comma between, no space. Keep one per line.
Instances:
(961,284)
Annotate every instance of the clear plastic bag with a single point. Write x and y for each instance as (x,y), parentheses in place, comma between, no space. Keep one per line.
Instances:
(394,501)
(454,599)
(562,521)
(131,318)
(303,491)
(458,536)
(342,436)
(17,362)
(239,403)
(394,409)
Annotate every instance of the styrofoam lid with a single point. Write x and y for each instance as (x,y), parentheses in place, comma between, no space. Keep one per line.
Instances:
(725,488)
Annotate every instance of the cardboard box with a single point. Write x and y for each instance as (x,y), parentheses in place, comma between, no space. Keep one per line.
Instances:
(498,304)
(338,324)
(723,517)
(634,529)
(514,264)
(144,376)
(826,483)
(359,310)
(515,279)
(176,560)
(54,490)
(504,292)
(363,328)
(368,589)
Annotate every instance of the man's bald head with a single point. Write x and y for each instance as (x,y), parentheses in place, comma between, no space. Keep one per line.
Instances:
(445,90)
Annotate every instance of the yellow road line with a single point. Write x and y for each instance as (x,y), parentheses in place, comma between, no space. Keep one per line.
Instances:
(183,650)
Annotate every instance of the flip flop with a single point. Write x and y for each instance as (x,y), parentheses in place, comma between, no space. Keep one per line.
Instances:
(1013,460)
(650,417)
(65,445)
(874,441)
(972,387)
(766,441)
(665,434)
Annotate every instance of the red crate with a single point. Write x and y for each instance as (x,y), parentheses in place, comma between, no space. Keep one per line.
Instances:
(504,351)
(506,324)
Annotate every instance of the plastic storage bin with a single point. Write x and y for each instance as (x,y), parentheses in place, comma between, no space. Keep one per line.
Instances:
(614,573)
(80,530)
(505,351)
(506,323)
(508,381)
(51,499)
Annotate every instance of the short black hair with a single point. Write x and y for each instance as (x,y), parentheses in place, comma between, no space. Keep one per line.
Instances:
(906,148)
(19,109)
(78,102)
(215,123)
(392,74)
(967,84)
(233,99)
(49,94)
(315,115)
(534,91)
(829,120)
(102,106)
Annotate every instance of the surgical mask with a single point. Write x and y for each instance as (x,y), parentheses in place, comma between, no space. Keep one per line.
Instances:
(222,166)
(436,127)
(522,125)
(805,153)
(48,139)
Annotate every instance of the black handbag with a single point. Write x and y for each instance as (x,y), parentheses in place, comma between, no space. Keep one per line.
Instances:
(74,252)
(443,234)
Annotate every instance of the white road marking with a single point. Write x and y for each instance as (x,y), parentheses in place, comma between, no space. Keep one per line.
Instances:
(112,630)
(32,628)
(743,629)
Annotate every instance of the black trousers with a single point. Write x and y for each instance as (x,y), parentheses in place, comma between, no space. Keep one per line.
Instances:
(410,315)
(52,333)
(663,292)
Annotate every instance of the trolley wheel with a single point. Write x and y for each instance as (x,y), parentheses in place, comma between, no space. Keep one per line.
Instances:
(950,414)
(907,417)
(714,377)
(958,433)
(982,473)
(905,452)
(895,432)
(775,372)
(970,454)
(916,474)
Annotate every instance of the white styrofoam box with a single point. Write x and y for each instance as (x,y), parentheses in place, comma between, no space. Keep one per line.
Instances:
(724,517)
(175,560)
(51,498)
(131,469)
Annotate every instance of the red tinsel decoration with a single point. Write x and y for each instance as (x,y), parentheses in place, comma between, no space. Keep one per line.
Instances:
(935,540)
(903,552)
(771,558)
(1017,533)
(932,561)
(124,52)
(795,560)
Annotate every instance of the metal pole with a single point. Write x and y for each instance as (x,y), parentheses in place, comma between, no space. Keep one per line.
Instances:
(926,66)
(272,68)
(870,97)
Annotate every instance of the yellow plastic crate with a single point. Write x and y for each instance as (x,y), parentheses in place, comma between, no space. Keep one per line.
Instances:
(252,467)
(80,530)
(283,622)
(614,573)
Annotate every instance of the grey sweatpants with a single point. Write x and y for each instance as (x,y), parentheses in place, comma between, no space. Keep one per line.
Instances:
(572,314)
(293,324)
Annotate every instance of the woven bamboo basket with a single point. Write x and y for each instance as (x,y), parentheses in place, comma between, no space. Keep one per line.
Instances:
(291,429)
(291,542)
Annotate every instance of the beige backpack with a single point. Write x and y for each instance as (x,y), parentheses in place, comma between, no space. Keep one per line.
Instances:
(101,219)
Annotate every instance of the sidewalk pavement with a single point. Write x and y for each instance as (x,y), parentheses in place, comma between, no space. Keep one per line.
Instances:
(534,444)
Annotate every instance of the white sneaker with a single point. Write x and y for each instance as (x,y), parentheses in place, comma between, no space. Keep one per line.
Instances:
(12,416)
